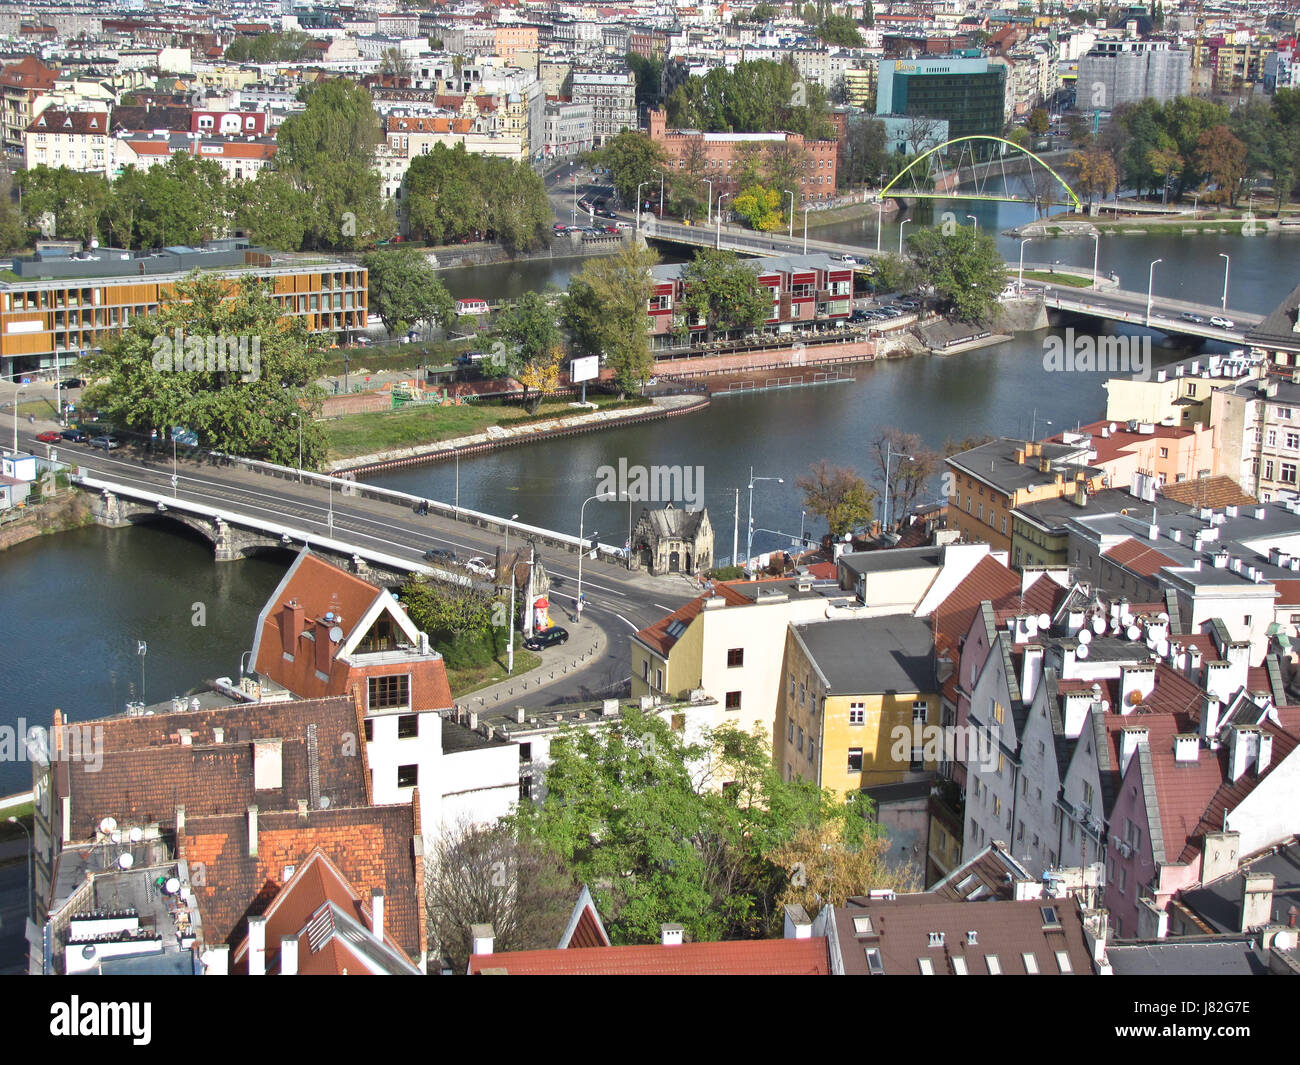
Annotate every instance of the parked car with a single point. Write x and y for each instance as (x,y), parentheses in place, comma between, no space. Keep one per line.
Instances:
(624,225)
(607,214)
(559,227)
(1188,316)
(50,436)
(552,637)
(479,567)
(108,443)
(1219,322)
(907,305)
(73,382)
(859,316)
(440,554)
(75,435)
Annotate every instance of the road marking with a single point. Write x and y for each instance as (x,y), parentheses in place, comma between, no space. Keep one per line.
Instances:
(670,609)
(627,623)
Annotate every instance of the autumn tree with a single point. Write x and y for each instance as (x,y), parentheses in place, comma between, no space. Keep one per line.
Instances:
(1223,157)
(530,346)
(605,309)
(1093,171)
(760,207)
(904,465)
(837,494)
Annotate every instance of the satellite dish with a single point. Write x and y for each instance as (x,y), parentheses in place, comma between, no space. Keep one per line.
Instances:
(1162,648)
(1113,427)
(107,825)
(1164,618)
(1126,617)
(1081,651)
(172,886)
(848,538)
(136,835)
(1085,636)
(324,802)
(1031,625)
(116,837)
(94,243)
(1105,705)
(1133,632)
(1044,622)
(125,861)
(336,634)
(1099,625)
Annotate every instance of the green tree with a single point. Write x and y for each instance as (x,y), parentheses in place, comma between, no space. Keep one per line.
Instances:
(164,370)
(405,290)
(632,158)
(964,267)
(893,273)
(754,97)
(529,336)
(74,200)
(270,47)
(722,292)
(837,494)
(1038,123)
(863,152)
(273,211)
(841,30)
(458,619)
(649,74)
(762,13)
(760,207)
(183,201)
(13,235)
(605,309)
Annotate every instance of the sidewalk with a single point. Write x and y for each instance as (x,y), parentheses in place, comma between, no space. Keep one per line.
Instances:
(585,647)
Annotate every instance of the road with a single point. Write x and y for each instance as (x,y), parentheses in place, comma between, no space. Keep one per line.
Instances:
(618,602)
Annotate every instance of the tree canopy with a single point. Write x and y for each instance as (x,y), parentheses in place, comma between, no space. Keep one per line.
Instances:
(605,309)
(722,292)
(839,495)
(965,268)
(754,97)
(406,290)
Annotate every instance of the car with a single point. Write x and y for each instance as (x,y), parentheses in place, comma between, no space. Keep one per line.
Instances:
(891,312)
(479,567)
(440,554)
(849,259)
(559,227)
(75,435)
(610,229)
(858,316)
(1188,316)
(1219,322)
(907,305)
(73,382)
(108,443)
(624,225)
(50,436)
(607,214)
(552,637)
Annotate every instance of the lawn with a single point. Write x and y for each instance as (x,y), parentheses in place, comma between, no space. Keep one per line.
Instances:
(369,434)
(1058,278)
(464,681)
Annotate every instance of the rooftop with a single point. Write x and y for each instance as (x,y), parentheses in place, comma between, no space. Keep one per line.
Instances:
(871,655)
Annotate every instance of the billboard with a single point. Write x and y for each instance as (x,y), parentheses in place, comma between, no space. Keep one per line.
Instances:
(585,369)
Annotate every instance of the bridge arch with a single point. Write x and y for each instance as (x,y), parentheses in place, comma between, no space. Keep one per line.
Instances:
(1078,205)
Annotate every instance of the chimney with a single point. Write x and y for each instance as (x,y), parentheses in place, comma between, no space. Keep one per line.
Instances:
(1152,923)
(798,925)
(1219,855)
(472,724)
(972,938)
(1131,737)
(1223,679)
(1209,727)
(257,946)
(1243,750)
(218,735)
(1077,705)
(252,831)
(1136,683)
(1256,900)
(377,914)
(670,935)
(324,649)
(288,955)
(1187,746)
(180,821)
(520,713)
(1265,758)
(302,810)
(290,626)
(268,764)
(1031,670)
(216,961)
(186,737)
(481,937)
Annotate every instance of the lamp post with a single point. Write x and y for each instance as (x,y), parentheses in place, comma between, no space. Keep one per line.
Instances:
(900,234)
(721,196)
(792,209)
(749,532)
(27,832)
(1227,262)
(1020,277)
(1096,250)
(638,206)
(889,454)
(805,228)
(975,221)
(1151,279)
(176,479)
(880,221)
(17,388)
(573,211)
(297,417)
(510,652)
(709,219)
(458,479)
(582,546)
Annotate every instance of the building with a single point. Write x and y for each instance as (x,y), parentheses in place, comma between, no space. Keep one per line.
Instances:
(715,156)
(570,129)
(611,95)
(61,305)
(1118,72)
(668,540)
(240,158)
(1277,338)
(77,140)
(968,92)
(21,84)
(1257,433)
(854,694)
(1176,394)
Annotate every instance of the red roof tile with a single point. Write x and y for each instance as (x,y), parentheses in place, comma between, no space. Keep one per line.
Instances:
(656,636)
(768,957)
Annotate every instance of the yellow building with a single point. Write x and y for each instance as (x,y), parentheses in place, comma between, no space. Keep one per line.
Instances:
(860,86)
(856,698)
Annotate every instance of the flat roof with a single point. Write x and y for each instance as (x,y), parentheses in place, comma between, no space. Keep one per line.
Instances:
(872,655)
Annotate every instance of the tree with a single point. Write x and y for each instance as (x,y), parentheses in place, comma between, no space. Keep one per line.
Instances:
(837,494)
(12,234)
(1093,171)
(863,152)
(760,207)
(722,292)
(964,267)
(1223,157)
(893,273)
(273,211)
(904,465)
(75,200)
(480,874)
(762,13)
(458,619)
(530,336)
(405,290)
(183,201)
(786,166)
(632,158)
(393,62)
(841,30)
(754,97)
(649,74)
(606,311)
(635,811)
(1038,123)
(219,359)
(920,133)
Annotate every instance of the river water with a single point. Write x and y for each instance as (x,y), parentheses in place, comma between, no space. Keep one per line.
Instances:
(75,605)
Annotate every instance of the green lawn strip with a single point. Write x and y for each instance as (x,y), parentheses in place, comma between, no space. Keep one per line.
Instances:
(1073,280)
(470,679)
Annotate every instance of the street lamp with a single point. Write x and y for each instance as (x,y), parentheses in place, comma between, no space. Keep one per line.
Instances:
(1151,279)
(749,532)
(297,417)
(638,206)
(792,208)
(17,388)
(880,220)
(1227,262)
(900,234)
(975,221)
(805,228)
(582,544)
(28,833)
(709,219)
(1096,250)
(889,454)
(510,653)
(721,196)
(1020,277)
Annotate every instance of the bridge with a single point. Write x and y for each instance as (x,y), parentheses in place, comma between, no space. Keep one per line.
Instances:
(935,174)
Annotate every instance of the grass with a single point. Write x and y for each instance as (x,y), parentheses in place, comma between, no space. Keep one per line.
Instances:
(464,681)
(42,408)
(368,434)
(1058,278)
(396,356)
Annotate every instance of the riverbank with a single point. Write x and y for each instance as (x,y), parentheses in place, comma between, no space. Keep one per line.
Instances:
(1175,224)
(850,212)
(67,511)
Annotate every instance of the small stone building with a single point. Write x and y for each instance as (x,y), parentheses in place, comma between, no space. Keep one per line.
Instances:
(669,540)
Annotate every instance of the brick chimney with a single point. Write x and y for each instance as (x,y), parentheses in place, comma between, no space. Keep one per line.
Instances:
(291,618)
(257,946)
(288,955)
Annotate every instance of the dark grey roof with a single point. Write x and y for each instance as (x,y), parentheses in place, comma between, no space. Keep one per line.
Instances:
(995,463)
(1218,903)
(669,522)
(872,655)
(1218,957)
(1278,329)
(890,560)
(1052,514)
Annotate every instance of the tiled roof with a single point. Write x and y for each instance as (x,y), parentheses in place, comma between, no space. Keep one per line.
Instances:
(146,771)
(990,875)
(763,957)
(372,846)
(1041,597)
(657,637)
(1138,557)
(1216,492)
(953,617)
(81,123)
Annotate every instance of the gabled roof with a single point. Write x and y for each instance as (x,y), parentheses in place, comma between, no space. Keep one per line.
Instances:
(761,957)
(991,874)
(80,123)
(1216,492)
(585,928)
(664,633)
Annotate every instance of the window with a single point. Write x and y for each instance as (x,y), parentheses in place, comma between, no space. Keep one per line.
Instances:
(994,964)
(408,776)
(659,680)
(791,685)
(1288,473)
(1002,763)
(1020,831)
(735,657)
(408,726)
(920,709)
(1268,469)
(388,692)
(999,714)
(855,759)
(811,750)
(1031,963)
(1293,441)
(733,700)
(369,730)
(1123,879)
(525,752)
(917,762)
(997,806)
(799,741)
(1063,962)
(1087,794)
(789,731)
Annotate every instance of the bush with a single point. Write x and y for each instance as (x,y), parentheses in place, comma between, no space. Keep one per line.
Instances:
(726,573)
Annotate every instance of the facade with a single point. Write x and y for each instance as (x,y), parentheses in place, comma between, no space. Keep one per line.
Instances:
(240,158)
(611,95)
(20,84)
(968,92)
(78,140)
(1179,393)
(669,540)
(716,154)
(1126,71)
(569,129)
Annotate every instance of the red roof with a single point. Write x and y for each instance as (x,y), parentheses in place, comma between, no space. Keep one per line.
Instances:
(1138,558)
(656,636)
(762,957)
(952,618)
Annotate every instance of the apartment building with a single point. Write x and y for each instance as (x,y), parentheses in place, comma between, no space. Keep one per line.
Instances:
(21,84)
(611,95)
(1118,72)
(569,129)
(78,140)
(1179,393)
(1257,431)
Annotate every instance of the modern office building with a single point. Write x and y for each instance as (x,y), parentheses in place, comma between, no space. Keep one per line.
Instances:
(967,91)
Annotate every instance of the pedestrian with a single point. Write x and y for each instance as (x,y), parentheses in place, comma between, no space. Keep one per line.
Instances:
(31,419)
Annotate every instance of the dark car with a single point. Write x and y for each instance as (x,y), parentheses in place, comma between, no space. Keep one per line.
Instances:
(1188,316)
(75,435)
(440,554)
(858,316)
(607,214)
(50,436)
(551,637)
(73,382)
